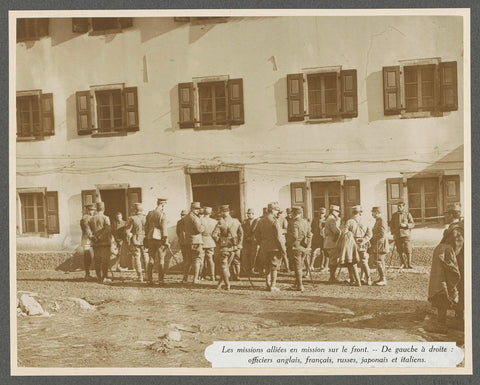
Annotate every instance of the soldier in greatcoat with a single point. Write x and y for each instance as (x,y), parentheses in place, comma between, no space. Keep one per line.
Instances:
(332,232)
(86,239)
(401,225)
(209,225)
(193,242)
(136,235)
(379,244)
(157,240)
(102,239)
(249,249)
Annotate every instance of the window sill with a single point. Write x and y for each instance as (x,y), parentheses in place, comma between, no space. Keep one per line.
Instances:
(420,114)
(106,134)
(29,138)
(323,120)
(36,235)
(213,127)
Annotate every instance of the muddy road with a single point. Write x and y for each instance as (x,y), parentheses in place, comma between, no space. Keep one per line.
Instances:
(130,319)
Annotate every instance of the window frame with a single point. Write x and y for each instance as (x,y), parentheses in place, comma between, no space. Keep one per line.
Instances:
(85,25)
(43,100)
(423,219)
(23,215)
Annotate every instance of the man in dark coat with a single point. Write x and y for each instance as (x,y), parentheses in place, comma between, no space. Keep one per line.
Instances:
(102,238)
(318,237)
(332,232)
(249,249)
(379,244)
(209,245)
(298,243)
(193,242)
(269,234)
(157,240)
(401,225)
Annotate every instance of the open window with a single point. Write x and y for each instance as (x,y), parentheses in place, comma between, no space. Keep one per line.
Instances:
(417,88)
(38,211)
(34,115)
(322,94)
(107,110)
(211,103)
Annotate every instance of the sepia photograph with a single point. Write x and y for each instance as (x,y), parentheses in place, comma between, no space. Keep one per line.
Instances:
(179,178)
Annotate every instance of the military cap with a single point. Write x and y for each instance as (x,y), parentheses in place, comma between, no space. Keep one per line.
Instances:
(224,208)
(323,210)
(161,200)
(195,205)
(357,209)
(90,207)
(297,210)
(377,209)
(207,210)
(250,211)
(265,209)
(100,206)
(183,212)
(138,207)
(273,206)
(334,208)
(400,203)
(454,207)
(288,209)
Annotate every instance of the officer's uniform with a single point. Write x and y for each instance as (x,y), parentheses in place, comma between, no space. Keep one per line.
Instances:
(379,245)
(193,241)
(332,232)
(401,224)
(298,242)
(209,225)
(136,235)
(269,233)
(102,241)
(157,241)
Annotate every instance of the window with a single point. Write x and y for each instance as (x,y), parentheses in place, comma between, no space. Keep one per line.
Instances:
(34,115)
(31,29)
(418,88)
(217,103)
(39,212)
(107,110)
(330,93)
(100,25)
(427,197)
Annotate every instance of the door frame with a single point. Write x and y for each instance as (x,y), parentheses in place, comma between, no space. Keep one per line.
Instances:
(115,186)
(331,178)
(210,169)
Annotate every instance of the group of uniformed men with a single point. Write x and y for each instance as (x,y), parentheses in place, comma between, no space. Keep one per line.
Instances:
(225,247)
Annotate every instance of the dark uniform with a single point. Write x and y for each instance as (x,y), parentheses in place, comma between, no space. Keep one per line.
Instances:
(401,224)
(136,236)
(332,232)
(193,241)
(101,241)
(379,245)
(249,249)
(180,231)
(209,225)
(362,234)
(157,240)
(119,233)
(86,240)
(298,243)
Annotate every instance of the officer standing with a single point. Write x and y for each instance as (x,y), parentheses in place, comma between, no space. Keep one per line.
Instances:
(136,235)
(401,225)
(180,231)
(249,249)
(209,225)
(332,232)
(86,237)
(193,241)
(379,244)
(269,234)
(318,236)
(298,243)
(157,240)
(362,234)
(102,242)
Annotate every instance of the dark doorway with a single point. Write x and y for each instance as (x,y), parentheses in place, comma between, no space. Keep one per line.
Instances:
(324,194)
(115,201)
(217,188)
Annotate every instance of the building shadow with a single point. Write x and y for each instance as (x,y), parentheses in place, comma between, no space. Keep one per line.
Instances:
(151,27)
(174,106)
(281,105)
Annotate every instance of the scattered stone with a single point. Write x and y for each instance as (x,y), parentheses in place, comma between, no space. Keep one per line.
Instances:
(83,304)
(146,343)
(174,336)
(30,306)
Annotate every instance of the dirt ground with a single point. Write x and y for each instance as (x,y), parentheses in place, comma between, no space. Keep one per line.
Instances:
(127,326)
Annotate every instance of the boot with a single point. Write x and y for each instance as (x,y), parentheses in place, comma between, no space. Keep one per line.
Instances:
(212,271)
(161,273)
(298,279)
(150,272)
(333,272)
(226,275)
(409,260)
(196,272)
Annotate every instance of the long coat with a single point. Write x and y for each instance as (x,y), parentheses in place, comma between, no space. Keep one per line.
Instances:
(332,231)
(268,234)
(156,219)
(379,240)
(298,234)
(228,233)
(136,227)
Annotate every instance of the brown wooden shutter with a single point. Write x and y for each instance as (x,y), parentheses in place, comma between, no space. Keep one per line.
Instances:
(185,103)
(134,195)
(131,109)
(235,101)
(391,90)
(125,22)
(42,27)
(349,93)
(80,24)
(351,195)
(89,197)
(53,223)
(394,194)
(451,190)
(448,86)
(48,124)
(295,97)
(298,196)
(84,113)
